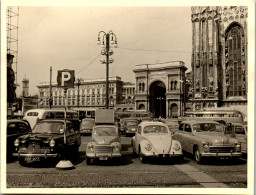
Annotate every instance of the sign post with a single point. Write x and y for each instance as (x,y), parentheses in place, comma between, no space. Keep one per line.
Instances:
(65,79)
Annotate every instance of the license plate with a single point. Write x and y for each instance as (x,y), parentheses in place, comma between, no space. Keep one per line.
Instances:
(103,158)
(32,159)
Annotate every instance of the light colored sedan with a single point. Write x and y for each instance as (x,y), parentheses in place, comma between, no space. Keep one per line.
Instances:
(153,139)
(204,138)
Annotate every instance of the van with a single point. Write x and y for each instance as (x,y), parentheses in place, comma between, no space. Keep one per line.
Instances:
(34,115)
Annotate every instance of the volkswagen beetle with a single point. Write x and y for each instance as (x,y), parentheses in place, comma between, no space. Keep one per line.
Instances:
(153,139)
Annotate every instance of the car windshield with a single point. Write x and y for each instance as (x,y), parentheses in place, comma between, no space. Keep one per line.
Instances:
(48,127)
(87,123)
(207,127)
(155,129)
(105,131)
(130,123)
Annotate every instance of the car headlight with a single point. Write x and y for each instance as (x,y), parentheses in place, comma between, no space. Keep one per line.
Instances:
(115,147)
(205,144)
(176,146)
(16,142)
(148,147)
(90,147)
(238,146)
(52,143)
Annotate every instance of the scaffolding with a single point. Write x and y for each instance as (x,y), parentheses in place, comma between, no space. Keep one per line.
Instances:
(12,36)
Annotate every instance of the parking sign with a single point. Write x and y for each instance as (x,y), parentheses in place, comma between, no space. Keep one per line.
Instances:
(66,78)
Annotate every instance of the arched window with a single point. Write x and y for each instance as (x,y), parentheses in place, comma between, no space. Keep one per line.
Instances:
(143,86)
(139,86)
(234,49)
(171,85)
(175,85)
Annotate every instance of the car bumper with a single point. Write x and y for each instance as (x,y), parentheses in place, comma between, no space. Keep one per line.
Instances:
(45,155)
(234,154)
(108,155)
(130,131)
(162,155)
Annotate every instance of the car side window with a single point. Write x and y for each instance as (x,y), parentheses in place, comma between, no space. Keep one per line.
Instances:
(181,127)
(188,128)
(239,130)
(22,128)
(11,129)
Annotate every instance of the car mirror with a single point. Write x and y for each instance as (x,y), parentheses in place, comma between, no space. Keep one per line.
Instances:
(61,130)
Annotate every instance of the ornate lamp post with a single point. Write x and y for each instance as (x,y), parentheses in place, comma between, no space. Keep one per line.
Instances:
(106,50)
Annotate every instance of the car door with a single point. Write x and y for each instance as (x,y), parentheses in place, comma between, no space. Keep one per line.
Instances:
(241,136)
(178,135)
(187,137)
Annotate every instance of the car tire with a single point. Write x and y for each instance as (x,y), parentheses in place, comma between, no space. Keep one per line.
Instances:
(142,158)
(89,161)
(22,162)
(198,156)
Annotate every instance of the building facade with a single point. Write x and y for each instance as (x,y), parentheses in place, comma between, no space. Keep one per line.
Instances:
(219,57)
(160,88)
(88,94)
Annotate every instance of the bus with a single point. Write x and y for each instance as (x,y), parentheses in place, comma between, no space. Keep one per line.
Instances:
(221,116)
(85,112)
(34,115)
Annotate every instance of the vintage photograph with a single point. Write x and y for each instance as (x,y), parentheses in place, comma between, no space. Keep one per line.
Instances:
(98,98)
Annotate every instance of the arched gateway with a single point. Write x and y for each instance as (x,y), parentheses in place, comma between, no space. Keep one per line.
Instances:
(157,99)
(160,88)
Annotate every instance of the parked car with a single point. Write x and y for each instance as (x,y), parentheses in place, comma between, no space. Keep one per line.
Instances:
(240,130)
(105,143)
(15,128)
(207,139)
(47,141)
(86,125)
(130,126)
(153,139)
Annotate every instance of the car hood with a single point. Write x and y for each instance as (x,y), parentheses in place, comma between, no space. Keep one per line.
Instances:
(160,142)
(39,137)
(105,140)
(216,138)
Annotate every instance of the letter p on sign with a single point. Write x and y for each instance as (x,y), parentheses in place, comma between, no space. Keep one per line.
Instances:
(66,78)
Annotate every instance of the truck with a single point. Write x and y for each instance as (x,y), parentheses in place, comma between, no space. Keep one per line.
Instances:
(105,141)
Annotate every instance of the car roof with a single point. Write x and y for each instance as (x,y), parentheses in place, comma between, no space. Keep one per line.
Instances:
(192,122)
(144,123)
(16,121)
(88,119)
(54,120)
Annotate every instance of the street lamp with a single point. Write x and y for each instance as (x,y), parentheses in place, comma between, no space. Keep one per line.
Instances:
(160,100)
(78,95)
(107,51)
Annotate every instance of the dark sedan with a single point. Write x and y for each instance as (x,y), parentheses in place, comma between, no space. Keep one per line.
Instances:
(47,141)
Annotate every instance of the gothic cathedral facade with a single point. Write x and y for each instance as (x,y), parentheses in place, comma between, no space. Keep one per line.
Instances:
(219,57)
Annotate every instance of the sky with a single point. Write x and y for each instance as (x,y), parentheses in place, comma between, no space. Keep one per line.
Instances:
(66,38)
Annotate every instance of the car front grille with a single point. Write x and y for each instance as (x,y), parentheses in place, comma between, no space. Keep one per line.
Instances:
(103,149)
(34,148)
(222,149)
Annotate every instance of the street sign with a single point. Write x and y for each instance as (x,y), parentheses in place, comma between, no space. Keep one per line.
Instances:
(66,78)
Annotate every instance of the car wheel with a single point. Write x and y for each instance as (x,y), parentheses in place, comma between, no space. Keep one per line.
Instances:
(198,156)
(22,162)
(89,161)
